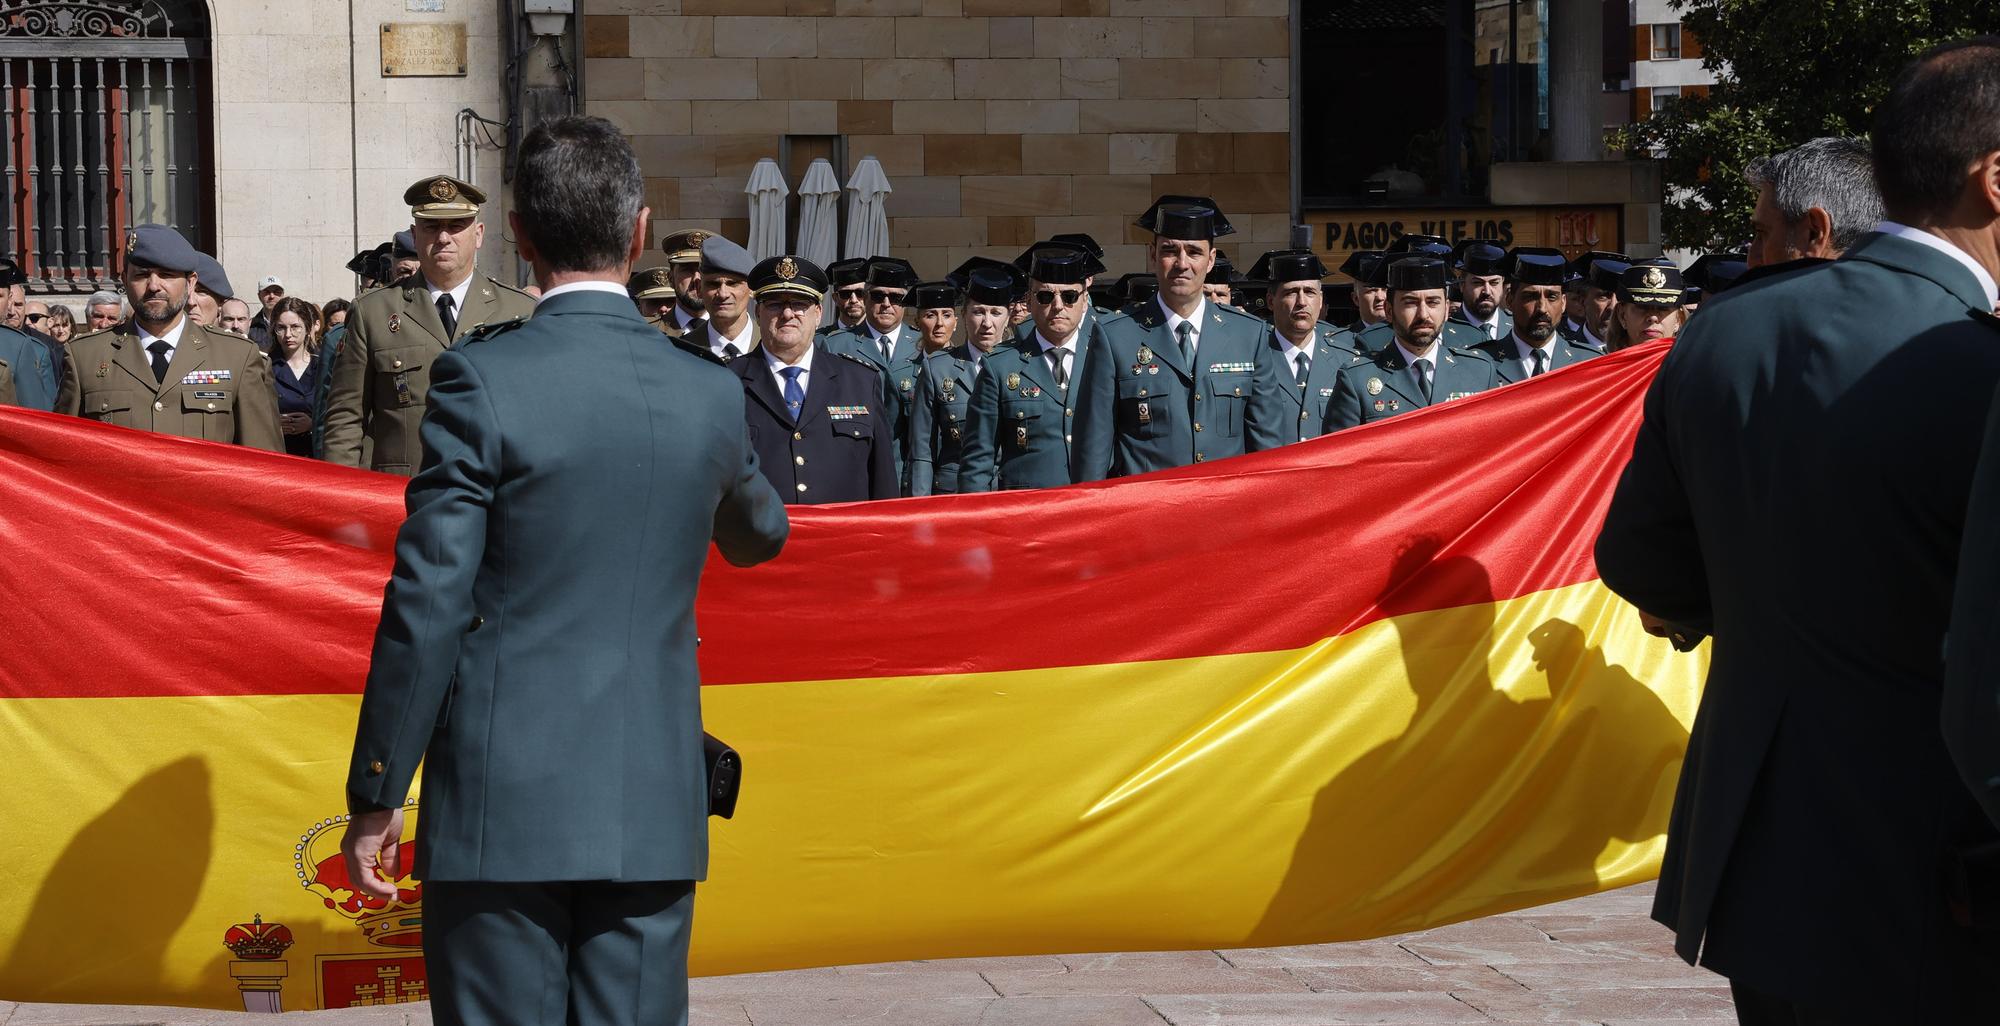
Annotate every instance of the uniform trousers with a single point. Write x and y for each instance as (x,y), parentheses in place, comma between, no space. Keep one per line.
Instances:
(1756,1008)
(576,953)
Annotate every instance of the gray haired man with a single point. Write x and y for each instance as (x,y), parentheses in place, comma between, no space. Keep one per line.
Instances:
(103,310)
(1813,201)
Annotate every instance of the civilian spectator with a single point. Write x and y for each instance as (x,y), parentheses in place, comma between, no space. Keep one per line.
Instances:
(62,323)
(233,316)
(295,370)
(269,291)
(334,313)
(102,310)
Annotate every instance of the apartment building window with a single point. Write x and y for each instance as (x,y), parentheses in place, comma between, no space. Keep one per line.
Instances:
(1663,95)
(1666,42)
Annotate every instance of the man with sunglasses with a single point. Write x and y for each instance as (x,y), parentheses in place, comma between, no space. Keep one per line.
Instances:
(891,348)
(814,415)
(850,295)
(1022,424)
(1179,379)
(1070,242)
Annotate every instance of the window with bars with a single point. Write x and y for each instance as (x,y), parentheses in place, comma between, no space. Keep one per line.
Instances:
(104,117)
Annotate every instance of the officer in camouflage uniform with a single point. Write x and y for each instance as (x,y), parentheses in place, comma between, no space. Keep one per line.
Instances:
(379,383)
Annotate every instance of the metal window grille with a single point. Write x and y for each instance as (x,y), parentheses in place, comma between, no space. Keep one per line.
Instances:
(104,119)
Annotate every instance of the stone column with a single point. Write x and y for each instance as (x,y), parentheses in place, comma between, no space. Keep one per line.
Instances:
(1576,79)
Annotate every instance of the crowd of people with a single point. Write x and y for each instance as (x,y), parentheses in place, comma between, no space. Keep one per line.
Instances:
(1035,372)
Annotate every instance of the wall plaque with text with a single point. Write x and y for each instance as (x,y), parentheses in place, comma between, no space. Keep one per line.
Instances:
(419,49)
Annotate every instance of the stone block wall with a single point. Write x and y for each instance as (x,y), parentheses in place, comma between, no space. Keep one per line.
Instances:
(998,122)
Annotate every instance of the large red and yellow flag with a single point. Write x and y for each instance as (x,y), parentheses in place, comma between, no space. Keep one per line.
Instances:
(1357,686)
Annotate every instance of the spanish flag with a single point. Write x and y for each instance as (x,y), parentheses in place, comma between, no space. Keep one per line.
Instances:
(1360,685)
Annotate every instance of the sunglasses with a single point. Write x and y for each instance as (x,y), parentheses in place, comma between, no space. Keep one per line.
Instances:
(851,293)
(36,318)
(1048,297)
(886,295)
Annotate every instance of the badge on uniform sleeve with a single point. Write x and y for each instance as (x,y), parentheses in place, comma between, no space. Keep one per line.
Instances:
(1013,382)
(1374,386)
(395,322)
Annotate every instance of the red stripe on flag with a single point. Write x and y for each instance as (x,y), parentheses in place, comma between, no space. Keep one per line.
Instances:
(145,565)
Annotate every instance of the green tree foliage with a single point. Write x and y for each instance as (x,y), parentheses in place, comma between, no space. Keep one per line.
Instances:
(1786,71)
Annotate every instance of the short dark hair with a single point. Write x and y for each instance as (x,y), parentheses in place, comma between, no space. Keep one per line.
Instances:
(577,189)
(1941,115)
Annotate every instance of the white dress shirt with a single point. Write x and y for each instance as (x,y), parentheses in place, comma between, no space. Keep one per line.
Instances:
(1522,349)
(1490,329)
(686,320)
(778,366)
(1175,320)
(582,286)
(742,341)
(1950,249)
(457,293)
(1073,365)
(172,338)
(875,337)
(1591,337)
(1430,354)
(1291,352)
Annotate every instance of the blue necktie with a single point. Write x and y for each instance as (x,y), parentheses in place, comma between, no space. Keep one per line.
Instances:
(795,396)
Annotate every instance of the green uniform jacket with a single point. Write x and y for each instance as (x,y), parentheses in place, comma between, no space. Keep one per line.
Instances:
(218,386)
(1143,411)
(1479,330)
(27,384)
(1378,387)
(1378,336)
(939,420)
(1507,359)
(899,382)
(1308,403)
(1798,489)
(537,644)
(1023,426)
(380,384)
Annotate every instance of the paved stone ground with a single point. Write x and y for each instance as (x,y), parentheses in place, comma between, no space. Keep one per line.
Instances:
(1596,960)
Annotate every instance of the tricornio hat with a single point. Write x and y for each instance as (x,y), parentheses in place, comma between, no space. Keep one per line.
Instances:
(1188,218)
(932,295)
(1416,274)
(1285,265)
(1536,265)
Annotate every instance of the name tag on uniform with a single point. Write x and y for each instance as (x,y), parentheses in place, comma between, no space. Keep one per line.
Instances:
(1325,392)
(1231,368)
(846,412)
(211,395)
(206,377)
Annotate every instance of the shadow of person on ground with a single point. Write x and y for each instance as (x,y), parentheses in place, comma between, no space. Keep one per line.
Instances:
(100,925)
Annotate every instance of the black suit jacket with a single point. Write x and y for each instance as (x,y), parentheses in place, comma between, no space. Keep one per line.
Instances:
(1798,490)
(839,449)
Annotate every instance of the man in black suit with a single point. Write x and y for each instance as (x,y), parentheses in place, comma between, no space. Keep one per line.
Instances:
(537,644)
(814,412)
(1798,490)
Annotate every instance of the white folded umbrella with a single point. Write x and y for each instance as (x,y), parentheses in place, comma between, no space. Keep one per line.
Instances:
(867,210)
(767,192)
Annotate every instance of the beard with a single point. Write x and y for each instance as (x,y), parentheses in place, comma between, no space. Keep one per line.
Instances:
(1538,330)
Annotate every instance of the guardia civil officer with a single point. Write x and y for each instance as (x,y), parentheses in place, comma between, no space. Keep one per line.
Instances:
(889,345)
(36,373)
(849,278)
(1417,368)
(1534,308)
(1370,297)
(1024,404)
(1480,264)
(536,650)
(1092,262)
(1310,354)
(814,414)
(158,370)
(1599,273)
(728,328)
(683,250)
(380,383)
(941,415)
(1178,379)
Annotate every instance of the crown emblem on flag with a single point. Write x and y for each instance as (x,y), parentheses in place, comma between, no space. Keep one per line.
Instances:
(321,869)
(257,940)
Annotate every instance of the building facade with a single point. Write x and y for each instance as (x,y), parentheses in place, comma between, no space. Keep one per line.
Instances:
(279,134)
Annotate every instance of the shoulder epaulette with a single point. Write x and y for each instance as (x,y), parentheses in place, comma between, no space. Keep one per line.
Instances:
(519,292)
(1237,312)
(489,330)
(855,358)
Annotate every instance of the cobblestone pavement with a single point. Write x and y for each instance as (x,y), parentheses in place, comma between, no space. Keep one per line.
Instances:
(1595,960)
